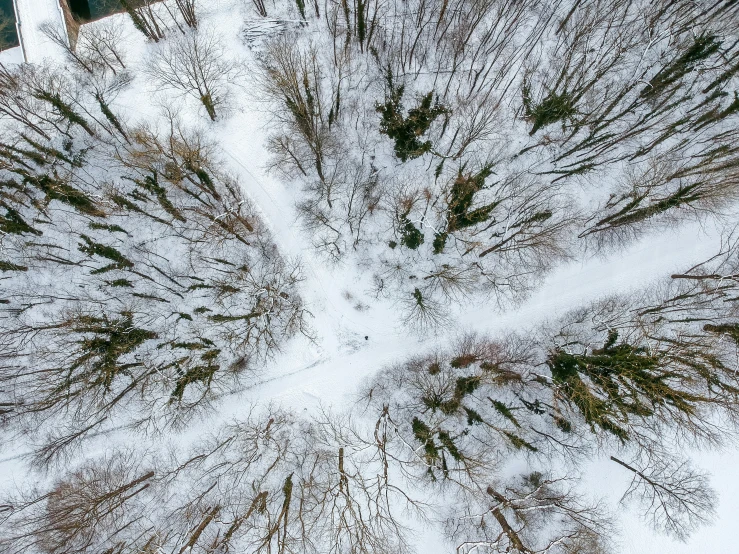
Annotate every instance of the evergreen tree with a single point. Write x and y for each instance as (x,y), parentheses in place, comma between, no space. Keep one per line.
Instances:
(614,384)
(406,130)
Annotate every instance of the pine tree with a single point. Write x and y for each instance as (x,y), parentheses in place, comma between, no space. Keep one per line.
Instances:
(410,235)
(553,108)
(106,340)
(64,109)
(459,212)
(110,116)
(406,130)
(619,381)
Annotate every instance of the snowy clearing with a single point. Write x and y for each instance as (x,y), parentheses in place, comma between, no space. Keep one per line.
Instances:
(222,279)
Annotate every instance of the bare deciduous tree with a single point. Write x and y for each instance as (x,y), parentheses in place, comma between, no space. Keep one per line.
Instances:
(57,34)
(536,515)
(90,302)
(145,18)
(196,65)
(676,498)
(187,9)
(94,507)
(101,43)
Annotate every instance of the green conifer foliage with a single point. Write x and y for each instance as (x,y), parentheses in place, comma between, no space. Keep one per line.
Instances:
(505,411)
(729,329)
(361,23)
(301,7)
(110,116)
(56,189)
(140,22)
(633,212)
(410,235)
(111,228)
(13,223)
(137,22)
(96,249)
(460,214)
(703,47)
(97,360)
(463,386)
(553,108)
(424,435)
(54,153)
(150,183)
(9,266)
(207,101)
(200,373)
(518,442)
(449,446)
(614,383)
(64,109)
(406,130)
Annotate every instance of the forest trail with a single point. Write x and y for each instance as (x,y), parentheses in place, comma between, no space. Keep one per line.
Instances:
(31,15)
(326,370)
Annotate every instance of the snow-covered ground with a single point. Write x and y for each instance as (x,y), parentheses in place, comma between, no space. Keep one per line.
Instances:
(307,377)
(351,344)
(12,55)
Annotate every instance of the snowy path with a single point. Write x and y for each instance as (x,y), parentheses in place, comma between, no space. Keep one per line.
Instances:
(31,15)
(328,370)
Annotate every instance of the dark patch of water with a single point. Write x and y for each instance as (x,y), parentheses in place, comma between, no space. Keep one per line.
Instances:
(89,10)
(8,32)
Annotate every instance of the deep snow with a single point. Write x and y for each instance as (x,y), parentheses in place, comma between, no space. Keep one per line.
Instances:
(326,370)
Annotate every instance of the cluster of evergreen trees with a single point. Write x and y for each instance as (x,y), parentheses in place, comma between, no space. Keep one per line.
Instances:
(636,378)
(447,145)
(135,275)
(463,156)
